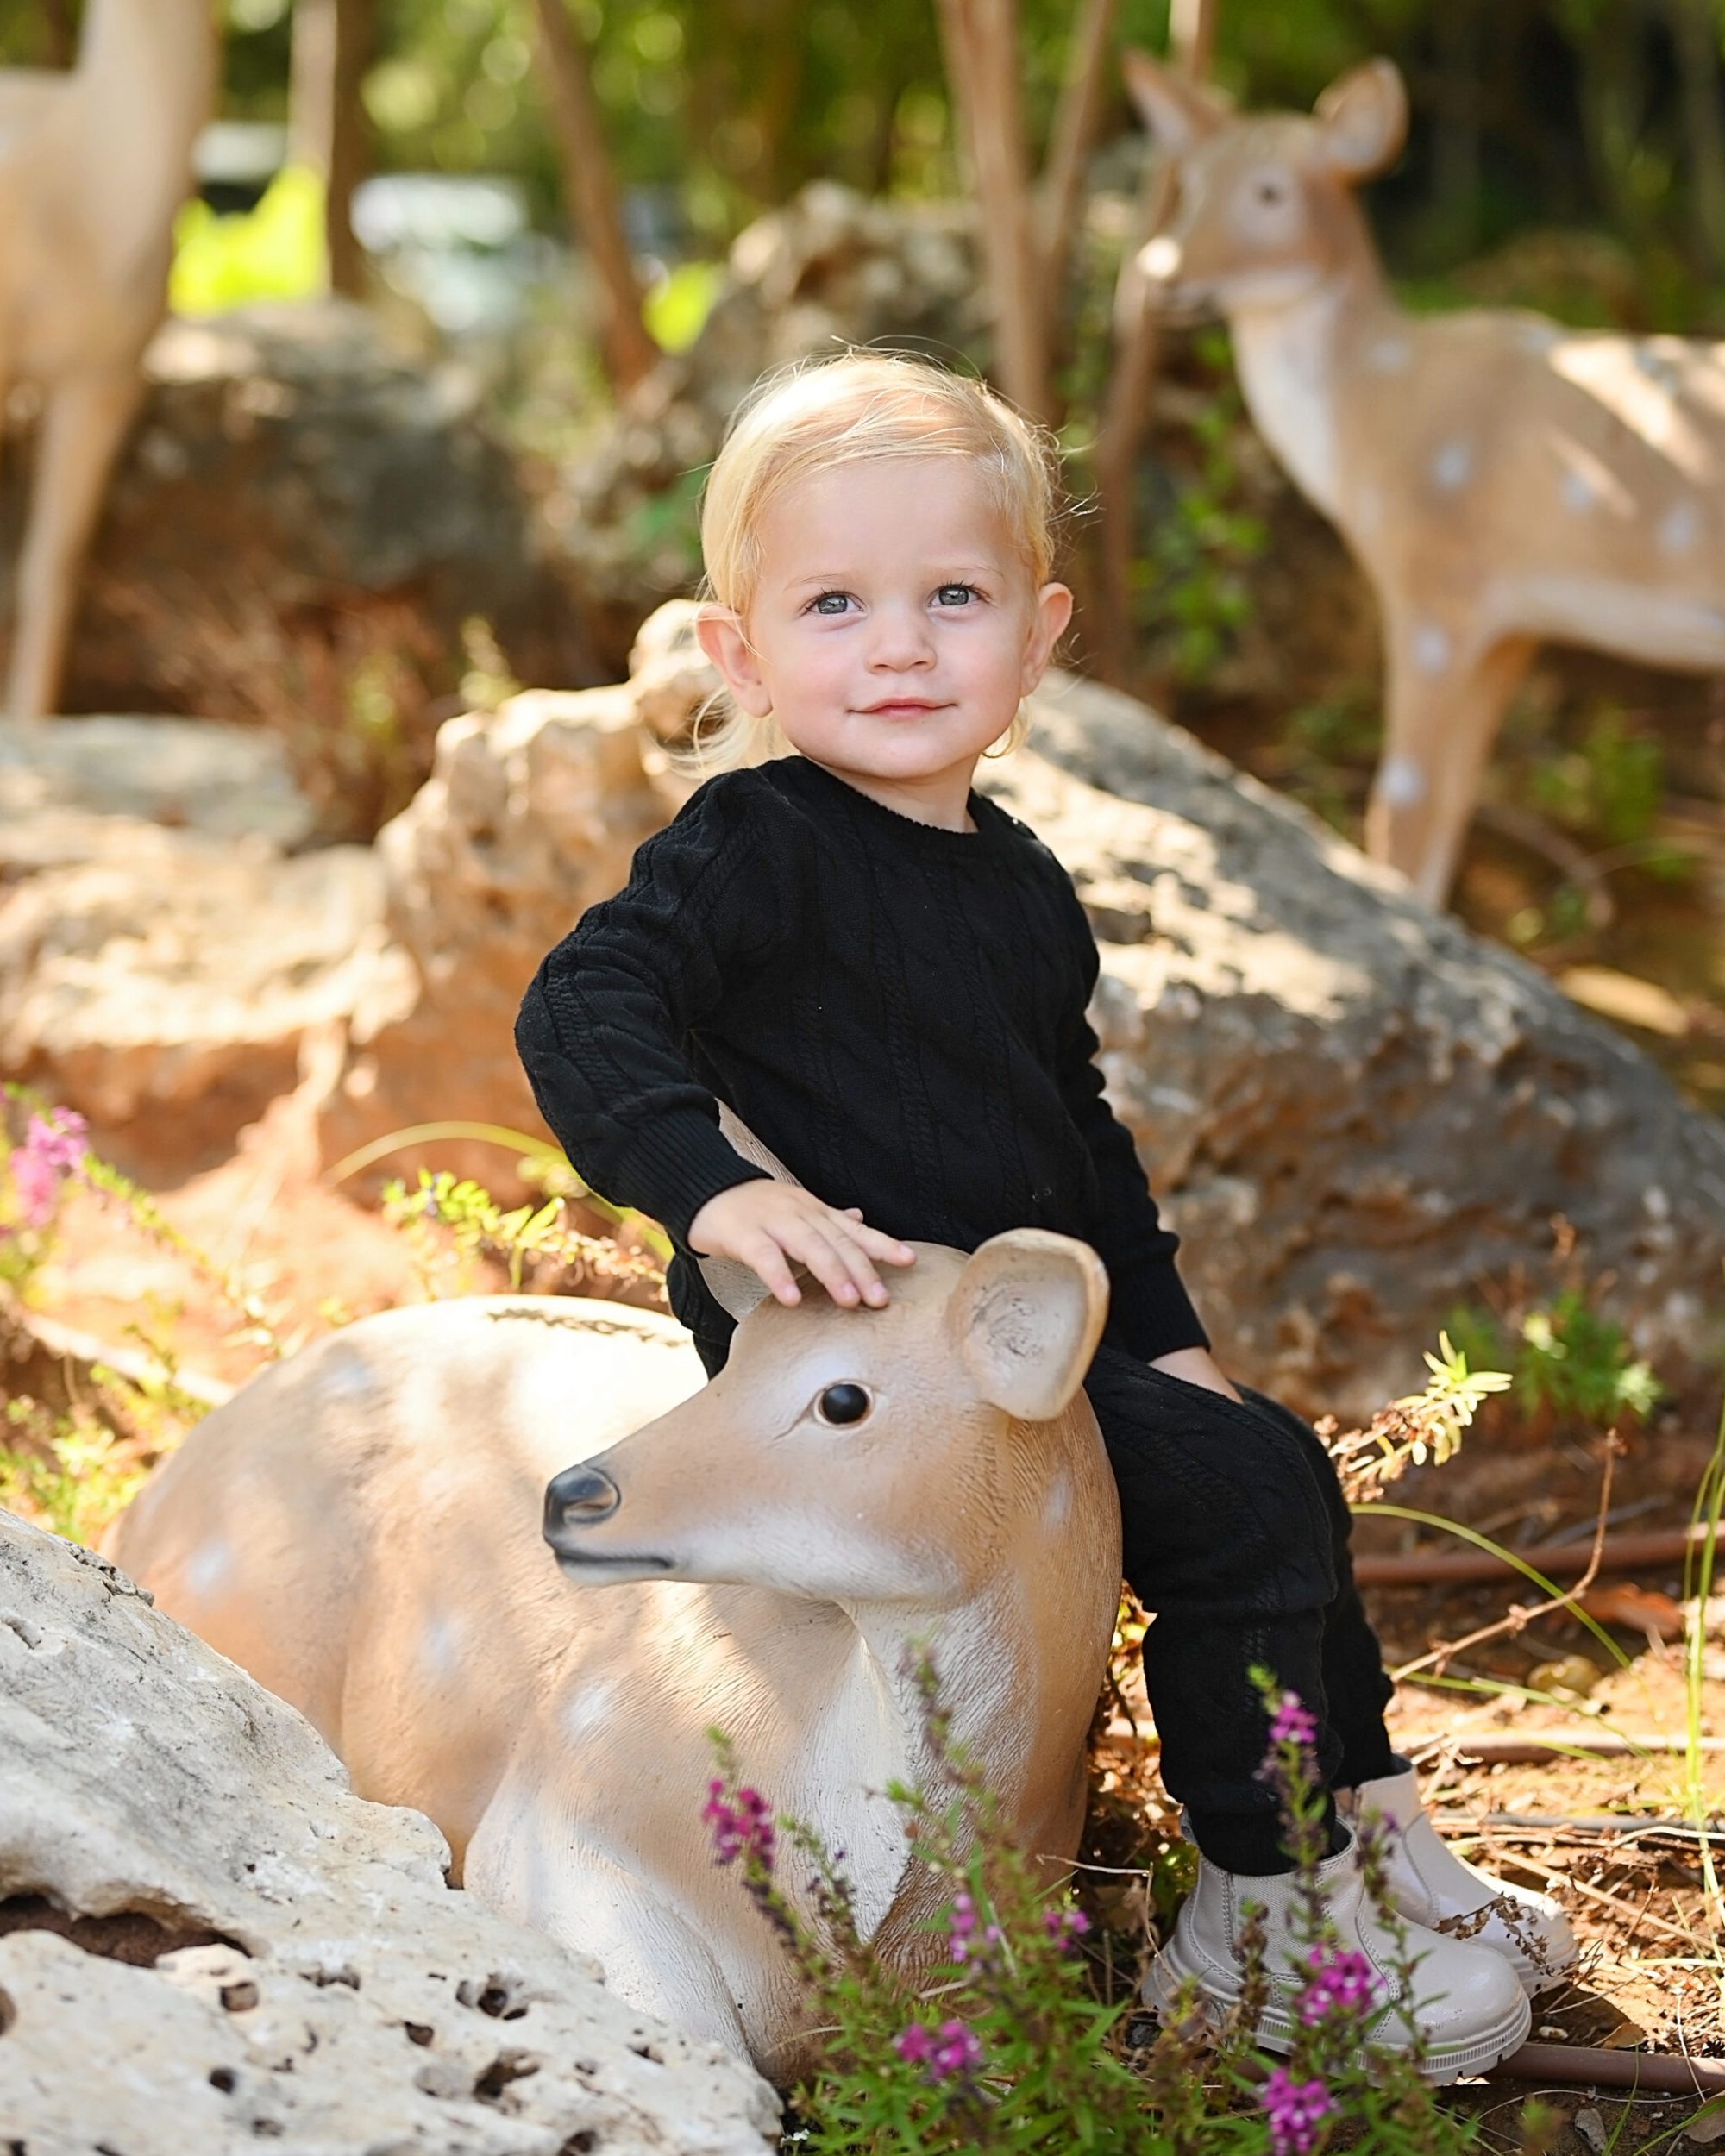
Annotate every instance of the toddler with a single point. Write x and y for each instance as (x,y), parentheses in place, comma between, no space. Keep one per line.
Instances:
(887,977)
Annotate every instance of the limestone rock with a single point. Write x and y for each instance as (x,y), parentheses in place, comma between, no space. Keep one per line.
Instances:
(206,1942)
(1357,1110)
(162,976)
(287,475)
(531,814)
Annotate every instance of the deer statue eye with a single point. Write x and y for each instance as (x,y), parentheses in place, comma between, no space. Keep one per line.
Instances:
(842,1404)
(1271,191)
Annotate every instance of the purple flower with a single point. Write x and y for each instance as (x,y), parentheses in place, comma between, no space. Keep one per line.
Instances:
(50,1151)
(1065,1925)
(741,1828)
(966,1942)
(1293,1723)
(1340,1983)
(1294,2110)
(942,2053)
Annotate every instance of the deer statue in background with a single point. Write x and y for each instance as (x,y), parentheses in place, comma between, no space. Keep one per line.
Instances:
(1501,480)
(94,165)
(360,1528)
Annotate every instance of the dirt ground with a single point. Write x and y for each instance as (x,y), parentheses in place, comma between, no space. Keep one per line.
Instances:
(1653,1978)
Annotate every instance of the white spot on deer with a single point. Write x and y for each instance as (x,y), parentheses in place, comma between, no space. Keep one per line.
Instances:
(208,1567)
(1159,258)
(1369,510)
(1058,1505)
(1388,355)
(440,1644)
(1401,783)
(1452,466)
(1575,492)
(1431,648)
(344,1374)
(1540,336)
(588,1708)
(1680,528)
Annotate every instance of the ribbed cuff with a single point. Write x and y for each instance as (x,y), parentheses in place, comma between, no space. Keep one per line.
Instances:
(674,1164)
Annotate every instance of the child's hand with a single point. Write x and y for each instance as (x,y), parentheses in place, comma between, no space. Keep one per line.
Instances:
(769,1226)
(1197,1366)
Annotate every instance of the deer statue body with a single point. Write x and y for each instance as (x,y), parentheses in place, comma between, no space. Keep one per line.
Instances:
(360,1528)
(1502,481)
(94,165)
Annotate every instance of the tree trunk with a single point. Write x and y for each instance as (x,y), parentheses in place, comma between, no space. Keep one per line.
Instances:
(333,44)
(590,194)
(1132,377)
(981,38)
(1695,32)
(1074,130)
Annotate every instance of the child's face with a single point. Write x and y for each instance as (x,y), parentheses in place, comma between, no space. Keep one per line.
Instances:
(893,629)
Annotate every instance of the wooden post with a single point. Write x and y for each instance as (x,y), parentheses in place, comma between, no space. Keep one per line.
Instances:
(590,194)
(1132,378)
(1069,145)
(981,38)
(333,44)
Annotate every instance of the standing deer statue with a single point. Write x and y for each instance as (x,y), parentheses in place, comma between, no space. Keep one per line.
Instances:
(360,1528)
(94,165)
(1501,480)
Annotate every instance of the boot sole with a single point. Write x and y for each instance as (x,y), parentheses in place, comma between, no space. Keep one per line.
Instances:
(1275,2029)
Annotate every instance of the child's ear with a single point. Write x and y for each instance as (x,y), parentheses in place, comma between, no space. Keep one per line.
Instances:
(1053,613)
(720,633)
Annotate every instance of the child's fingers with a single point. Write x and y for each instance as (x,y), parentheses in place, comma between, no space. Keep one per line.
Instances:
(874,1243)
(844,1274)
(763,1255)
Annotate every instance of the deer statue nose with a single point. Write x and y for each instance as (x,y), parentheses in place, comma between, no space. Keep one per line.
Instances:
(577,1497)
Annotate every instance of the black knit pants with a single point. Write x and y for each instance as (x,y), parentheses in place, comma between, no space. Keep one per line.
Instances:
(1236,1535)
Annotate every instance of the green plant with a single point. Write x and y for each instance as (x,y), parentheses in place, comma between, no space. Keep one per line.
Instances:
(1006,2045)
(1564,1356)
(1611,787)
(452,1222)
(1424,1426)
(272,251)
(70,1471)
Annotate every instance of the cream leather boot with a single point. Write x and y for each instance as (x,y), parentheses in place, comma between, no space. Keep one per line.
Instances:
(1470,2008)
(1431,1886)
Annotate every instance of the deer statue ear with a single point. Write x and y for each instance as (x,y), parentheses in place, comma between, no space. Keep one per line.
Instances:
(1026,1315)
(1364,115)
(1177,111)
(734,1286)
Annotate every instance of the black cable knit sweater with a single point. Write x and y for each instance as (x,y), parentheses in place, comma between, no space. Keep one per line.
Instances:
(897,1009)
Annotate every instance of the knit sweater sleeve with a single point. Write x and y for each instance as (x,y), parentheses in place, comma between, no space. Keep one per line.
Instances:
(603,1029)
(1149,1309)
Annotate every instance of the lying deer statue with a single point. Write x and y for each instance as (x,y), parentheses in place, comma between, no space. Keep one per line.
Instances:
(1501,480)
(360,1527)
(94,165)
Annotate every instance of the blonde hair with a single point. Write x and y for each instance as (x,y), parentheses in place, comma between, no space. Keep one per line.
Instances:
(854,409)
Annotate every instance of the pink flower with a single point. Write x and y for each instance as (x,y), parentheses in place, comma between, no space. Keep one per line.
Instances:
(966,1943)
(1293,1723)
(742,1829)
(50,1151)
(1340,1983)
(944,2053)
(1065,1925)
(1296,2109)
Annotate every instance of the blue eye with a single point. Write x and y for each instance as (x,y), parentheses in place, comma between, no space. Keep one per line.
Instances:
(957,594)
(829,603)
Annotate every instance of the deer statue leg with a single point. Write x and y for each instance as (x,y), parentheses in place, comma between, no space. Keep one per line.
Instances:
(83,426)
(523,1862)
(1441,718)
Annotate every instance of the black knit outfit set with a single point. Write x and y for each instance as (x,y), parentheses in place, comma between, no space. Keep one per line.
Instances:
(900,1011)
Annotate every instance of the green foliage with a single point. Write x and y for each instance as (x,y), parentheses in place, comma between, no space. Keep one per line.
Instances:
(1007,2045)
(676,308)
(1610,787)
(72,1472)
(273,252)
(1423,1425)
(1191,581)
(1564,1356)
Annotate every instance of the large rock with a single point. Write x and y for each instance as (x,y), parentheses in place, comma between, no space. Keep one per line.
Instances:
(1360,1112)
(301,518)
(1357,1112)
(163,959)
(208,1943)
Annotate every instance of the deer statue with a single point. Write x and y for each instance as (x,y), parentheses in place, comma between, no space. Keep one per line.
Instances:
(360,1527)
(1501,480)
(94,165)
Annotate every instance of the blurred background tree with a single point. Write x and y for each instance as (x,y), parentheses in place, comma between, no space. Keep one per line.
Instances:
(1601,115)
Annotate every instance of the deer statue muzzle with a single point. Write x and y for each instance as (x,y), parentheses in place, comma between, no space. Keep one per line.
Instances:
(364,1528)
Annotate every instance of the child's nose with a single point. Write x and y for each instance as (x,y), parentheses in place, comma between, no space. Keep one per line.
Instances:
(901,637)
